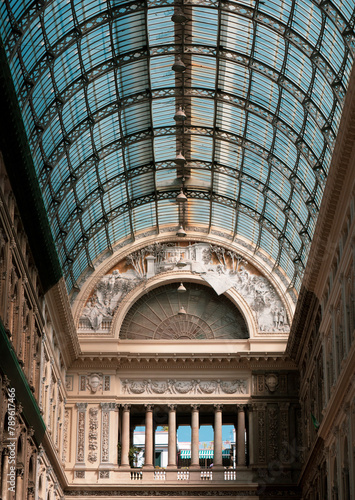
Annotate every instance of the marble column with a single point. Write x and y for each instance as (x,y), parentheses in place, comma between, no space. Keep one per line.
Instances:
(5,481)
(172,437)
(241,436)
(217,458)
(19,484)
(149,434)
(251,433)
(125,436)
(195,427)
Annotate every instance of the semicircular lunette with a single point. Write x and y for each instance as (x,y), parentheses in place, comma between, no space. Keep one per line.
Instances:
(197,314)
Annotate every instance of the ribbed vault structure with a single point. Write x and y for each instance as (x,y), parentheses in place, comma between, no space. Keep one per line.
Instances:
(262,91)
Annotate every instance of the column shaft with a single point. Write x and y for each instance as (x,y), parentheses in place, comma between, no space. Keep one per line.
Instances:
(172,437)
(217,459)
(195,461)
(241,436)
(19,484)
(125,436)
(251,436)
(148,454)
(5,478)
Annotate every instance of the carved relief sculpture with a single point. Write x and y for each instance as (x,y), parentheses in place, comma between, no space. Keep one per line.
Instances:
(105,436)
(93,429)
(173,386)
(65,435)
(271,381)
(94,382)
(222,269)
(81,431)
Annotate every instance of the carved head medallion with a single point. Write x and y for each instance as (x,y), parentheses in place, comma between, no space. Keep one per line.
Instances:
(271,381)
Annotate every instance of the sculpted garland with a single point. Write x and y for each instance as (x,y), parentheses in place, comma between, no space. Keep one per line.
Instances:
(222,269)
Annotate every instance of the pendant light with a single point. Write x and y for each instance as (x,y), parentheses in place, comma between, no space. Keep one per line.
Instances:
(181,232)
(181,288)
(181,197)
(180,159)
(180,115)
(178,66)
(179,17)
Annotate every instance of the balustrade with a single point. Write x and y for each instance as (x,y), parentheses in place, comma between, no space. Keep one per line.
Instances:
(136,475)
(230,475)
(206,475)
(160,475)
(183,475)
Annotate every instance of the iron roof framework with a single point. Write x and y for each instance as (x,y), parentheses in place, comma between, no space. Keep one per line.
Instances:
(263,93)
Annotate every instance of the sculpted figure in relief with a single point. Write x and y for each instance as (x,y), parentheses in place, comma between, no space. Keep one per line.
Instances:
(222,269)
(184,386)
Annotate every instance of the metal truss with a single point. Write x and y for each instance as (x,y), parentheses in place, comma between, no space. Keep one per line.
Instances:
(59,176)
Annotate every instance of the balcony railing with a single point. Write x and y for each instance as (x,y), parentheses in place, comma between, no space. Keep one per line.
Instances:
(187,476)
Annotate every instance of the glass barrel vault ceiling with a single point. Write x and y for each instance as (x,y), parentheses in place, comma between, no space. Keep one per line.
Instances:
(263,93)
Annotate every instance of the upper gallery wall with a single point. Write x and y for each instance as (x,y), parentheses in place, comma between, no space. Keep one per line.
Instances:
(248,95)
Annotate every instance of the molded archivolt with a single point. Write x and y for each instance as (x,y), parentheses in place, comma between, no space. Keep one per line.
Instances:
(197,314)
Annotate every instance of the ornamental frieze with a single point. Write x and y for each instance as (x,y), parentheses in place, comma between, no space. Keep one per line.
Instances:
(174,386)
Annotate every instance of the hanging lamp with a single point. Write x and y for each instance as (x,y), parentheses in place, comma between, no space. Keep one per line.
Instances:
(181,232)
(181,288)
(178,66)
(180,159)
(180,115)
(179,17)
(181,197)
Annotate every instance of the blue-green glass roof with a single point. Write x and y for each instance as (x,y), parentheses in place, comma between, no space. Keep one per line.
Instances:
(263,92)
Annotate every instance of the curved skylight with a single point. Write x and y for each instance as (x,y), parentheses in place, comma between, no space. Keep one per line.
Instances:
(262,92)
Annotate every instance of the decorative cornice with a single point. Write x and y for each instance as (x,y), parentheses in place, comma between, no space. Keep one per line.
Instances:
(58,303)
(333,210)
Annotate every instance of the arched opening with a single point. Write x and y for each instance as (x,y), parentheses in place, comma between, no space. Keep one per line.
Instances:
(197,314)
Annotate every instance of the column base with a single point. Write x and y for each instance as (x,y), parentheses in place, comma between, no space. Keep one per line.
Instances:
(148,467)
(124,467)
(194,467)
(174,466)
